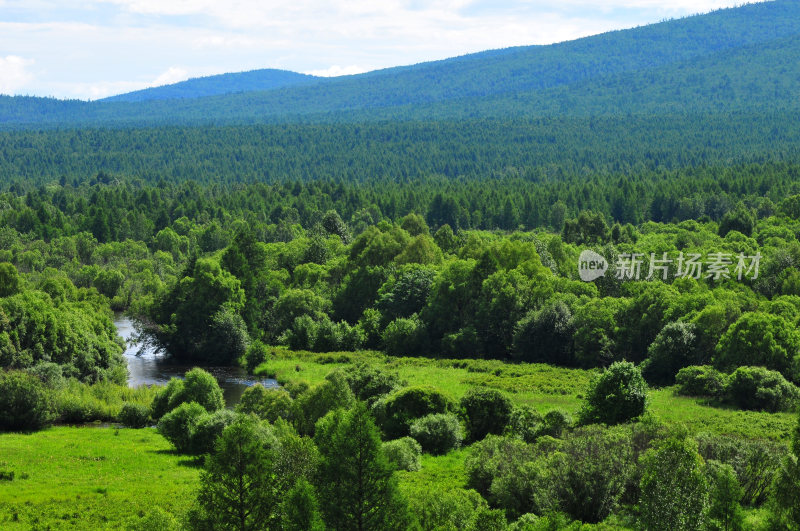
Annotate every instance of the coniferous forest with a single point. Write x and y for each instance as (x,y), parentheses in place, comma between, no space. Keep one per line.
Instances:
(558,288)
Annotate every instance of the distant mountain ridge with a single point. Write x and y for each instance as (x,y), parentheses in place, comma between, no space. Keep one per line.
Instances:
(732,60)
(254,80)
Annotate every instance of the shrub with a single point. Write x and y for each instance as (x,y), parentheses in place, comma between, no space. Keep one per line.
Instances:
(725,511)
(525,423)
(763,390)
(619,394)
(438,433)
(554,423)
(201,387)
(701,380)
(207,429)
(489,457)
(134,415)
(49,373)
(756,462)
(25,403)
(255,355)
(545,335)
(165,397)
(673,348)
(403,406)
(593,472)
(487,411)
(761,339)
(674,487)
(451,509)
(369,382)
(405,337)
(313,404)
(268,404)
(403,453)
(178,425)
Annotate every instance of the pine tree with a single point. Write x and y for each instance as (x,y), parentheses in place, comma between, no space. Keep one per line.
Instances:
(357,487)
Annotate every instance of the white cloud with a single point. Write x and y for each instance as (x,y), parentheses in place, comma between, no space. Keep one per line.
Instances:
(337,70)
(172,75)
(14,74)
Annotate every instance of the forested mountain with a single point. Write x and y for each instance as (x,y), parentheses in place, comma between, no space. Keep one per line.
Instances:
(265,79)
(724,61)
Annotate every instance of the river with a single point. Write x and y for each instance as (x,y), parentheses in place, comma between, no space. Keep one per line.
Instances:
(146,366)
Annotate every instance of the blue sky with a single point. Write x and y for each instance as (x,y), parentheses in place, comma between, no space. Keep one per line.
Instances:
(94,48)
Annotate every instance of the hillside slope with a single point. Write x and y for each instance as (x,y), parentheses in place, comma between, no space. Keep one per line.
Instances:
(725,61)
(255,80)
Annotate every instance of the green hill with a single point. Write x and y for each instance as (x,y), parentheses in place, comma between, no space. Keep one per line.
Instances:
(728,60)
(266,79)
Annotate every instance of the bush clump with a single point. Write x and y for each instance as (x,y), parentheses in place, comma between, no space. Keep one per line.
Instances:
(486,411)
(438,433)
(268,404)
(403,453)
(25,403)
(134,415)
(396,413)
(701,380)
(618,395)
(760,389)
(178,425)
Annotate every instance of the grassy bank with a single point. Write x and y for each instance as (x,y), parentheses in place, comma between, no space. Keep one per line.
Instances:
(542,386)
(91,478)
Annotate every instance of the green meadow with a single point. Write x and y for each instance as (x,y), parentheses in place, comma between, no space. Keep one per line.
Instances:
(104,477)
(91,478)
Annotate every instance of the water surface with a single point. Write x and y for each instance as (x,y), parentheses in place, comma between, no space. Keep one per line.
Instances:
(148,366)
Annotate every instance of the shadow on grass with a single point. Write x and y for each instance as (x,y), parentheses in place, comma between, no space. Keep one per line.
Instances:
(190,461)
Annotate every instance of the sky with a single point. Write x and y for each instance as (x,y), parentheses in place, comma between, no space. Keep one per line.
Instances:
(89,49)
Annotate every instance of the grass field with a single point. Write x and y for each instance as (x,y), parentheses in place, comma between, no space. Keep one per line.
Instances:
(542,386)
(107,478)
(91,478)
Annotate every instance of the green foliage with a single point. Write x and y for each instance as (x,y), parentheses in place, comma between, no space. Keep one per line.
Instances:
(201,387)
(134,415)
(370,382)
(316,402)
(725,511)
(673,348)
(545,335)
(401,408)
(208,428)
(199,317)
(619,394)
(236,491)
(300,509)
(763,390)
(674,487)
(403,453)
(486,411)
(10,281)
(701,381)
(256,354)
(451,509)
(356,485)
(756,462)
(438,433)
(404,337)
(760,339)
(178,426)
(78,335)
(267,404)
(25,403)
